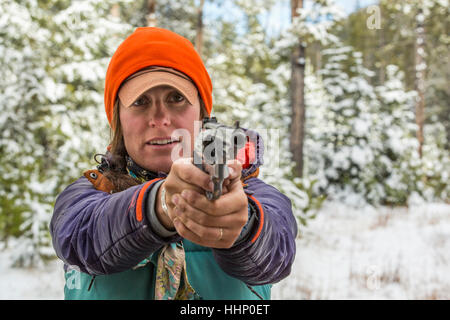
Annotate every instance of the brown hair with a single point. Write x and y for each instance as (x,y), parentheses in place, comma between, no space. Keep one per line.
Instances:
(117,172)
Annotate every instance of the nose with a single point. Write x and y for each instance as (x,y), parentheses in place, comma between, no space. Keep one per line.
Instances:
(159,114)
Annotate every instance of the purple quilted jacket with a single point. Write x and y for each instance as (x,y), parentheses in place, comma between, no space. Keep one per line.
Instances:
(104,233)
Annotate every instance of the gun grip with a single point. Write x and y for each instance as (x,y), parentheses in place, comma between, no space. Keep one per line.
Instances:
(217,191)
(209,195)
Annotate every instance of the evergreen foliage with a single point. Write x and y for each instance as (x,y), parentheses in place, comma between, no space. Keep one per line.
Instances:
(360,131)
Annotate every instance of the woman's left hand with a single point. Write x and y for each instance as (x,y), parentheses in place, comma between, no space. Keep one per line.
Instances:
(217,223)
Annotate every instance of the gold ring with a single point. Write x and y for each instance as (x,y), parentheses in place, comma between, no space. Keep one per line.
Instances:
(221,234)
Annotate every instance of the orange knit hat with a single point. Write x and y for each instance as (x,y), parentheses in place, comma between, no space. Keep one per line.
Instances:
(150,46)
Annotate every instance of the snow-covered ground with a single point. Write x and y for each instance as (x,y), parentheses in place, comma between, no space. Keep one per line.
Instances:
(344,253)
(44,282)
(372,254)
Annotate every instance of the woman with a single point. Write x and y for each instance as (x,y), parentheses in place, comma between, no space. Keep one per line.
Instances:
(140,226)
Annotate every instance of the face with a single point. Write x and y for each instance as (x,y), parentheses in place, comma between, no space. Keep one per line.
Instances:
(149,122)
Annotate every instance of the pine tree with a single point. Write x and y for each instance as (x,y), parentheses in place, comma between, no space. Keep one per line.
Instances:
(53,62)
(346,129)
(361,146)
(251,79)
(398,167)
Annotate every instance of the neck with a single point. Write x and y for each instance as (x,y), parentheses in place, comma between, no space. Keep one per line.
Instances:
(140,173)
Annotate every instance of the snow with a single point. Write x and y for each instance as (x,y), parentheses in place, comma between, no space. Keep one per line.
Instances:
(43,282)
(345,253)
(372,253)
(55,72)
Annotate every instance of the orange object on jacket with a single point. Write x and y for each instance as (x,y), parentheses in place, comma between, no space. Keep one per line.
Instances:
(150,46)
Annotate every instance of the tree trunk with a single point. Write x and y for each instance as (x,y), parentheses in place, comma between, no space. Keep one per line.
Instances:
(297,98)
(381,47)
(420,69)
(199,35)
(151,13)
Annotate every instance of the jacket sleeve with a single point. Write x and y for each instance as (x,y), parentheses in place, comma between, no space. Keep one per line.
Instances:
(266,256)
(104,233)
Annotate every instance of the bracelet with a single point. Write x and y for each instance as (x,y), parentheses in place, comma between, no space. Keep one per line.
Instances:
(163,201)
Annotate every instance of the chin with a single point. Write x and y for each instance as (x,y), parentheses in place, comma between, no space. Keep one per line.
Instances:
(160,166)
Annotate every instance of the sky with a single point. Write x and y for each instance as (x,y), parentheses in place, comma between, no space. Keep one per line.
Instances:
(350,5)
(279,17)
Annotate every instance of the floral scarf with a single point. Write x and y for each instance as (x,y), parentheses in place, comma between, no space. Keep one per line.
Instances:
(171,276)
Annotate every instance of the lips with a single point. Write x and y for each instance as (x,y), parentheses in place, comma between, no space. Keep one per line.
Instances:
(162,141)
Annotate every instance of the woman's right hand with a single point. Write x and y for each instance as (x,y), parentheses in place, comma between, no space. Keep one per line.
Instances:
(183,175)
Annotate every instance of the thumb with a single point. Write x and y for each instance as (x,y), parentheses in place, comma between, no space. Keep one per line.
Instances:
(234,169)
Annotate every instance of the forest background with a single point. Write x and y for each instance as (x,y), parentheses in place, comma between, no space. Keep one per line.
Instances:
(356,99)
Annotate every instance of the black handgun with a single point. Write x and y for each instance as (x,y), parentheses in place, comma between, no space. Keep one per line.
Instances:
(215,144)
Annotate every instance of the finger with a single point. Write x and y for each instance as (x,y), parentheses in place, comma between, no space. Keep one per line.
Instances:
(226,186)
(176,185)
(235,169)
(185,210)
(209,169)
(173,185)
(225,190)
(204,233)
(184,231)
(228,203)
(190,174)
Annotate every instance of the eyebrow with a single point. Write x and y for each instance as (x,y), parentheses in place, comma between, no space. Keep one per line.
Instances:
(167,90)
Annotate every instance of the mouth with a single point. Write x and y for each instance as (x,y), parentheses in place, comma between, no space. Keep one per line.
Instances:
(164,141)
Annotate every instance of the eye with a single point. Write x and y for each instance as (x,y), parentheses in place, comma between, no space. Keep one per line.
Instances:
(142,100)
(176,97)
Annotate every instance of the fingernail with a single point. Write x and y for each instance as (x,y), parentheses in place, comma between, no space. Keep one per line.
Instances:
(185,194)
(177,222)
(211,186)
(175,199)
(230,171)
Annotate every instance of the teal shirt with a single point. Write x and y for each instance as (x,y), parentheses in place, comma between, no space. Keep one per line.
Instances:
(204,275)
